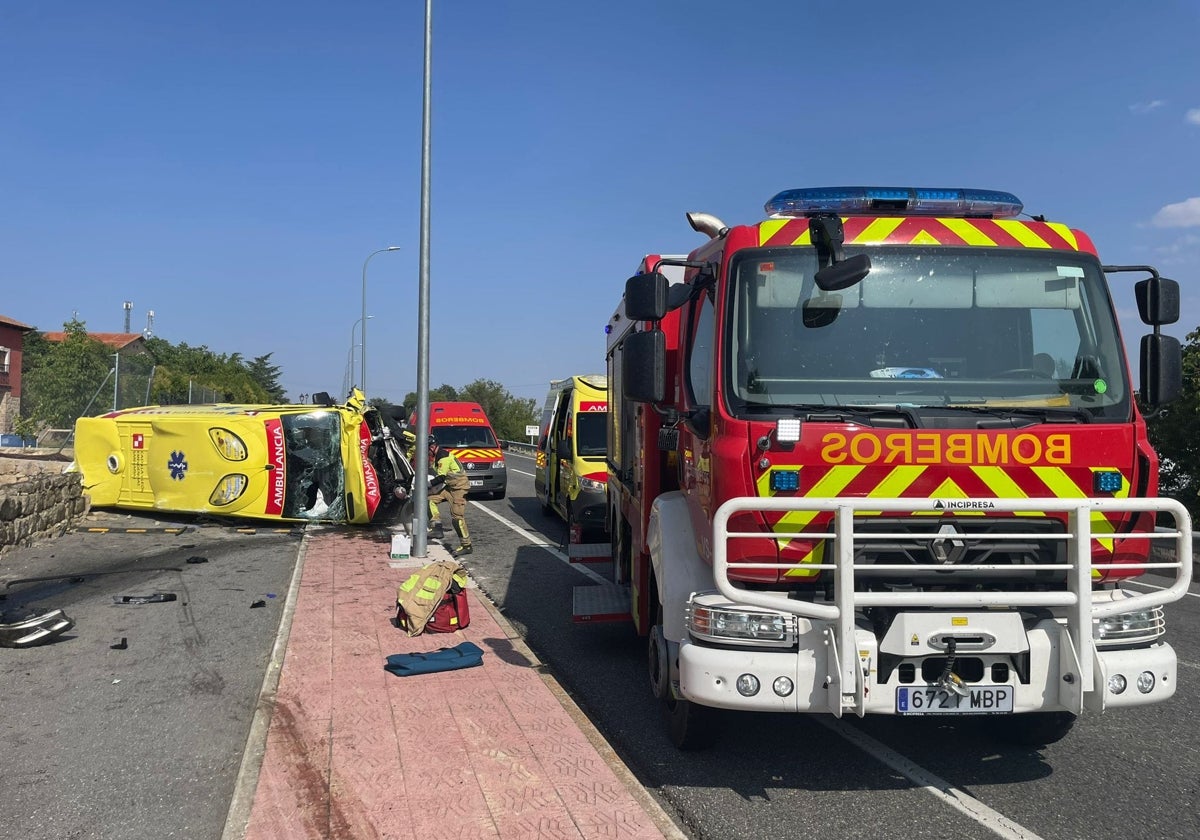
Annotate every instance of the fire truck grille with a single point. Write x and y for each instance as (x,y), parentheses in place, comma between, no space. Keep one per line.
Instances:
(958,546)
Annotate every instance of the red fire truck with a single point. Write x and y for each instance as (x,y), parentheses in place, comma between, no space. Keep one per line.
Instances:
(880,454)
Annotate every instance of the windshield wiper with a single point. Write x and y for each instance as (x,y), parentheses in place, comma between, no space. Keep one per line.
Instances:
(1016,417)
(881,416)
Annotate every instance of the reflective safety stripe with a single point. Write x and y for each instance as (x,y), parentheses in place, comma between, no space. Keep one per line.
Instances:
(906,480)
(926,230)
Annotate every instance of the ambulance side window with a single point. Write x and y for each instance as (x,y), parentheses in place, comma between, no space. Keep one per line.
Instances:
(700,352)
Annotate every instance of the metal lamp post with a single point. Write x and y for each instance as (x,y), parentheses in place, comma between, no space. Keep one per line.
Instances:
(363,377)
(350,355)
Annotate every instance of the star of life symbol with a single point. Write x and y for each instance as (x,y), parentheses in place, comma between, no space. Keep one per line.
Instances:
(177,465)
(139,441)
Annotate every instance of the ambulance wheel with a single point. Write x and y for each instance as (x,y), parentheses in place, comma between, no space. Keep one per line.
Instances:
(1036,729)
(689,725)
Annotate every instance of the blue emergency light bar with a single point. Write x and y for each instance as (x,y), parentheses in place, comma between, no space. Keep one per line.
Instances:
(894,201)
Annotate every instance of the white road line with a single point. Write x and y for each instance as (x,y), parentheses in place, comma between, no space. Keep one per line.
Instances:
(522,472)
(551,548)
(999,824)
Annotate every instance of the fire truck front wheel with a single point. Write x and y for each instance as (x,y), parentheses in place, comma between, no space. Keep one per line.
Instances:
(660,669)
(1034,729)
(690,725)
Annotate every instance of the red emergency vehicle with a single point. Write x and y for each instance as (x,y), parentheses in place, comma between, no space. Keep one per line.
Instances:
(880,453)
(464,429)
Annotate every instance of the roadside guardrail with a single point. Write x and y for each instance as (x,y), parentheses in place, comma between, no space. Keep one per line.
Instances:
(524,447)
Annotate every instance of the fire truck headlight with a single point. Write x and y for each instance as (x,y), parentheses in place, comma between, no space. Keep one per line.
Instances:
(1117,684)
(783,686)
(228,490)
(734,626)
(591,484)
(1145,682)
(747,685)
(1133,628)
(228,444)
(497,465)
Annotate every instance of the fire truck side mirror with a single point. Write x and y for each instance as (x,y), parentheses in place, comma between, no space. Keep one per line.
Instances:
(1161,369)
(646,297)
(644,366)
(1157,300)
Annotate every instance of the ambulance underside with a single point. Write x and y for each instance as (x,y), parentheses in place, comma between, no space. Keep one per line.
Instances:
(976,634)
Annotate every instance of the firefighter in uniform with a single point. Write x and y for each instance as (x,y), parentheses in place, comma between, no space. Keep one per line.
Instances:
(449,484)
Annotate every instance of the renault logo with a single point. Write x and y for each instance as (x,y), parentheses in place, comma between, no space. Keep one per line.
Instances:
(949,547)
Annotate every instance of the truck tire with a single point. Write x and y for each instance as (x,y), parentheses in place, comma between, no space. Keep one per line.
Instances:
(1035,729)
(689,725)
(660,668)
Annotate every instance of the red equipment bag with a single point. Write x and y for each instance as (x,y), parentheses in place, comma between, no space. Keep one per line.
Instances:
(452,612)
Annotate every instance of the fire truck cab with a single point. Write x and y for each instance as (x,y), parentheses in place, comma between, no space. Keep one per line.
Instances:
(880,453)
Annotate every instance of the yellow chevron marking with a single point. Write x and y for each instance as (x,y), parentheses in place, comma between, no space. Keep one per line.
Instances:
(1064,488)
(831,484)
(948,490)
(892,487)
(924,237)
(1066,233)
(769,228)
(1022,234)
(967,232)
(1003,487)
(878,230)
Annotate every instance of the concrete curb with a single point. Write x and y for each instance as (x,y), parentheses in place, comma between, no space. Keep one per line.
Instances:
(240,806)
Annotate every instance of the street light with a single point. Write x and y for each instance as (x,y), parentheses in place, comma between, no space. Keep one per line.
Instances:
(348,381)
(363,319)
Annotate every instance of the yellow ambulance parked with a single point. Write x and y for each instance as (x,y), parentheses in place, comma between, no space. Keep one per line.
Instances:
(571,473)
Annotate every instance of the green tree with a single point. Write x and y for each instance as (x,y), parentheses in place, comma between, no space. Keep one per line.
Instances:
(267,376)
(1175,433)
(509,414)
(61,380)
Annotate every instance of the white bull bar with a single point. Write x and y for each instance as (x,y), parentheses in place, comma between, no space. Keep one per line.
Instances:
(846,680)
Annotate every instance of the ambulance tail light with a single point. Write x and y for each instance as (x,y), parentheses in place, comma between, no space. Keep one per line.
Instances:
(895,201)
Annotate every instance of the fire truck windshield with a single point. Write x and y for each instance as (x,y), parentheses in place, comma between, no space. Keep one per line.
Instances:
(315,476)
(929,327)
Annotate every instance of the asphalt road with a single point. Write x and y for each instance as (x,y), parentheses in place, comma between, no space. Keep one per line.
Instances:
(1125,774)
(142,740)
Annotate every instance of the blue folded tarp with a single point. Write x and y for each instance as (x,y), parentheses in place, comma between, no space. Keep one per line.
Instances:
(464,655)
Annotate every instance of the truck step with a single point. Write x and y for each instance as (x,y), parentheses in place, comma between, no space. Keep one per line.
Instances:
(589,552)
(604,602)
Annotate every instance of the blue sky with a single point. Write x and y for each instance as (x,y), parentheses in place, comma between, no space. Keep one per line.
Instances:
(230,165)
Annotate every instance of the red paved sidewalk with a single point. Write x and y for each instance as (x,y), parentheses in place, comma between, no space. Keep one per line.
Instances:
(346,751)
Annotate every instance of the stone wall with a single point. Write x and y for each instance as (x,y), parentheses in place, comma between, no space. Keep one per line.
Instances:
(37,500)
